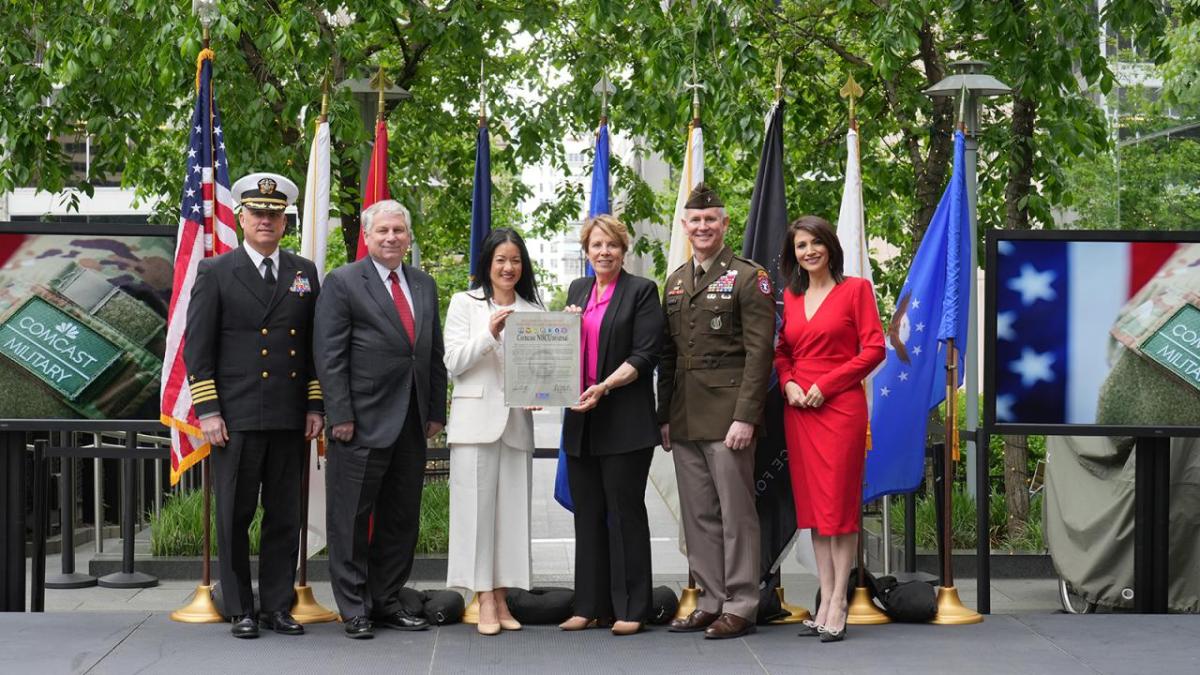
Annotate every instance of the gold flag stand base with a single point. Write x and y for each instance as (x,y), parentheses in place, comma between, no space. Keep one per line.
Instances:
(796,613)
(687,602)
(308,610)
(200,610)
(863,611)
(471,613)
(950,610)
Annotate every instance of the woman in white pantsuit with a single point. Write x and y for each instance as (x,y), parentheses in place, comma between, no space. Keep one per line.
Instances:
(491,446)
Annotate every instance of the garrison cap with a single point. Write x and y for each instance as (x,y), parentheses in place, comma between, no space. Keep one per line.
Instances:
(703,197)
(265,191)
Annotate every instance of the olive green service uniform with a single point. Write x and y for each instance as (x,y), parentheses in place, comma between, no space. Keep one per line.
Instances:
(715,369)
(248,351)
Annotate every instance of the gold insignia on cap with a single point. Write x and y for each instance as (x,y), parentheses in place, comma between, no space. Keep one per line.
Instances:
(266,186)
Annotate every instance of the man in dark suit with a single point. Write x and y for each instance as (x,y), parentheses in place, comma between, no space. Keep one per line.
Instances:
(379,355)
(254,388)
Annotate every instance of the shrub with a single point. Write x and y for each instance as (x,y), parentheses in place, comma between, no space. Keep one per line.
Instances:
(963,522)
(178,529)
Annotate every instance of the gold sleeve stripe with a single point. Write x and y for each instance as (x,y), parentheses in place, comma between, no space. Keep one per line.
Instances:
(203,399)
(315,397)
(205,385)
(207,390)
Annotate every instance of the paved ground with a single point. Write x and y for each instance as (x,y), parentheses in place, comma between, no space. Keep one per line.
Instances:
(144,642)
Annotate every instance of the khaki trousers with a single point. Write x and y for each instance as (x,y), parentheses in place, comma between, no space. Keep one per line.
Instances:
(720,524)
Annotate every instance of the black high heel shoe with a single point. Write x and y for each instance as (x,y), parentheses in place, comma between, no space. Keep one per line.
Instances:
(809,629)
(828,635)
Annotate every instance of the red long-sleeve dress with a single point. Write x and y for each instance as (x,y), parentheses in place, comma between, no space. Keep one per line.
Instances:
(839,346)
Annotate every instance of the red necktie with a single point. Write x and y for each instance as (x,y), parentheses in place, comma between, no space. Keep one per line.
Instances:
(402,308)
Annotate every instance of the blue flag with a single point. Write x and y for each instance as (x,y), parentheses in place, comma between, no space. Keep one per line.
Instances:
(599,203)
(932,309)
(481,197)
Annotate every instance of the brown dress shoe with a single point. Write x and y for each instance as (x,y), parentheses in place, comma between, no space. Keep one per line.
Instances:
(694,622)
(729,626)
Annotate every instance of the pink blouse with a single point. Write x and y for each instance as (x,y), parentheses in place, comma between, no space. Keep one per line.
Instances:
(593,316)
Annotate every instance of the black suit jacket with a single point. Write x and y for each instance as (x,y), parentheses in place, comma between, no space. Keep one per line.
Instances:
(248,351)
(632,327)
(369,368)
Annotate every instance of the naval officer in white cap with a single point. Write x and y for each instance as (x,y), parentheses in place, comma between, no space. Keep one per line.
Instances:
(248,351)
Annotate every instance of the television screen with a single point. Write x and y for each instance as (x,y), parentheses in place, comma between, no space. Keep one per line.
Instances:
(1093,329)
(82,320)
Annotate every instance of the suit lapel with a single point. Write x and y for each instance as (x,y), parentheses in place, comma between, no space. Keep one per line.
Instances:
(243,271)
(283,281)
(717,266)
(380,295)
(689,278)
(584,294)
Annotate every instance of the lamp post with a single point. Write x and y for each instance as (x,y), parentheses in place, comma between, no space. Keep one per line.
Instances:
(969,80)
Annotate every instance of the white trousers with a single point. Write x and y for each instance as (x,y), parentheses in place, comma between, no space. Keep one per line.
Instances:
(490,488)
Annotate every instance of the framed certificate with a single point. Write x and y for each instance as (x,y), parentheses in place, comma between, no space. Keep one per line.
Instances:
(541,359)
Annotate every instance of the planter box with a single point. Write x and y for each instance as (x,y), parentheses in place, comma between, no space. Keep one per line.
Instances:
(83,535)
(1004,564)
(425,567)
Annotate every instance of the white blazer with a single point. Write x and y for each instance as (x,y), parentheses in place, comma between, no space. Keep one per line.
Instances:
(475,361)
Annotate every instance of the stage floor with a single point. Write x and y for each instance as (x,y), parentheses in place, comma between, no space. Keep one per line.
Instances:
(149,642)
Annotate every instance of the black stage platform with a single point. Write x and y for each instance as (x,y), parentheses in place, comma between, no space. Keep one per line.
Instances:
(45,644)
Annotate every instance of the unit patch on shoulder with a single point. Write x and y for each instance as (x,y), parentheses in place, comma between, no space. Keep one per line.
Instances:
(764,283)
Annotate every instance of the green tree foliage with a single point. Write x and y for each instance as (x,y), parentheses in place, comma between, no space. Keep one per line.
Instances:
(123,71)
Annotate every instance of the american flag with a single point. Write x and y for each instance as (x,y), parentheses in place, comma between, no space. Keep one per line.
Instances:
(206,228)
(1055,303)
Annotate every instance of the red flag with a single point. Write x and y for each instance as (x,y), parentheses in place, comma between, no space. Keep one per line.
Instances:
(206,228)
(376,188)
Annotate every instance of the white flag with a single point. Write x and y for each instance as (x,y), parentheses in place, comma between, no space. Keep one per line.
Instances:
(314,239)
(852,223)
(314,221)
(662,467)
(691,176)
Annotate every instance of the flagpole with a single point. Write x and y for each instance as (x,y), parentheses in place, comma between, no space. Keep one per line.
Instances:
(862,610)
(950,610)
(381,83)
(305,608)
(471,612)
(689,597)
(201,608)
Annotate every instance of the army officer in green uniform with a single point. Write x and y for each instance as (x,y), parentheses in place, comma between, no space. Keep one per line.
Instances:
(712,383)
(250,368)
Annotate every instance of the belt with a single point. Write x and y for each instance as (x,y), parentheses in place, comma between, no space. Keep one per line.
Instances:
(704,362)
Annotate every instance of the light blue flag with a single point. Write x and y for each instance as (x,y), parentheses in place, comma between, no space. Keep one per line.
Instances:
(932,309)
(599,203)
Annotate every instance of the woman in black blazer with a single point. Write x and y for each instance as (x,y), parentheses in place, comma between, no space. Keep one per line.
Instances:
(609,438)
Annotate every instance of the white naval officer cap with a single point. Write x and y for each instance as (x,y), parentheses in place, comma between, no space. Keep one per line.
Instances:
(265,191)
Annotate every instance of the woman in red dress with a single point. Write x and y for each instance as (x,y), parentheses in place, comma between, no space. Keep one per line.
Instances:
(831,339)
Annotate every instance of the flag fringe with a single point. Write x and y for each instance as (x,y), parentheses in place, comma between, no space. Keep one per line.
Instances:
(192,458)
(205,54)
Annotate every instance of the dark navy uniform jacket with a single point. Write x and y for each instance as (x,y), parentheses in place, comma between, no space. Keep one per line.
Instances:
(249,351)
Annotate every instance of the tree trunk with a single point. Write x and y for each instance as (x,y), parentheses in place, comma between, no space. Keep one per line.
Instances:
(1016,484)
(1020,177)
(931,174)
